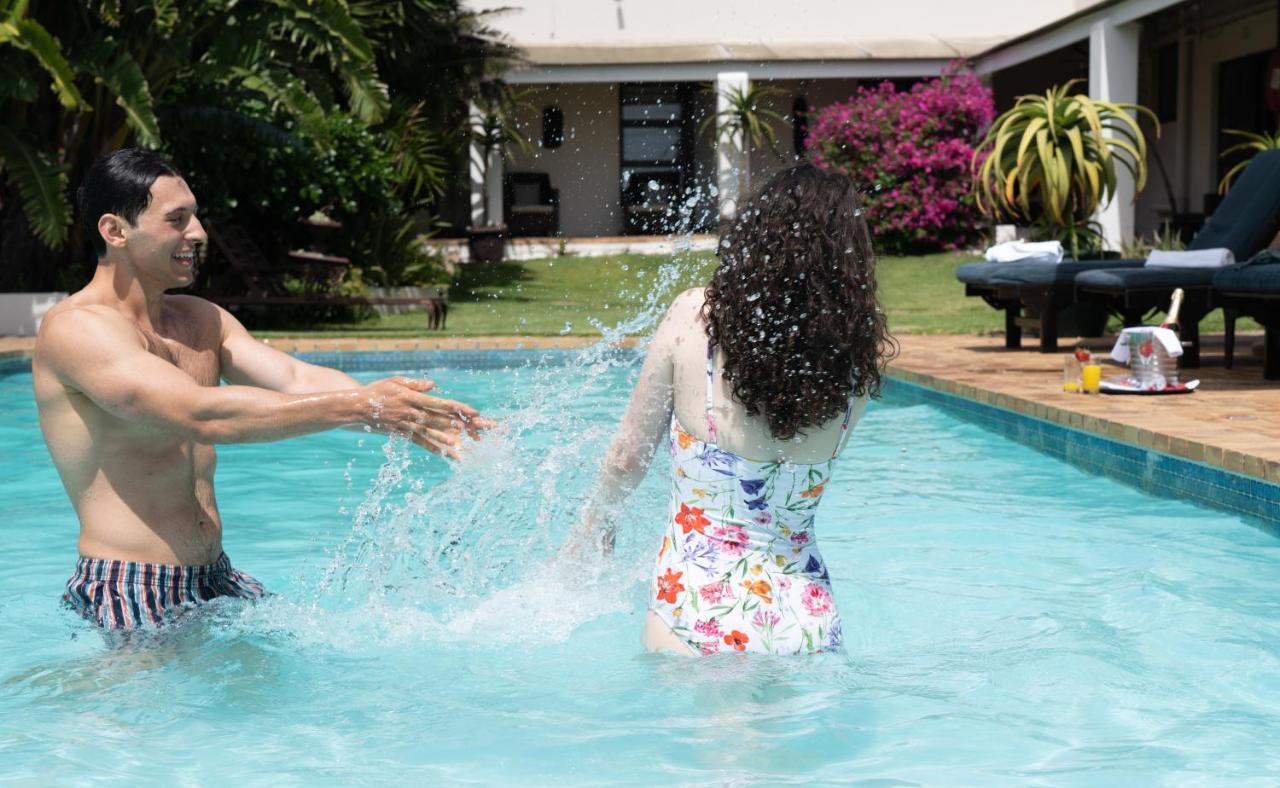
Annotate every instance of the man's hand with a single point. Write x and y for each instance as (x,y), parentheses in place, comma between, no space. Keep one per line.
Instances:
(401,406)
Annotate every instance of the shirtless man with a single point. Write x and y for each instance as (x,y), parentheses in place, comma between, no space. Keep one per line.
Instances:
(127,383)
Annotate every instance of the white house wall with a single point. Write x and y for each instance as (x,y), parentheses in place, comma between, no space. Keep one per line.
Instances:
(586,167)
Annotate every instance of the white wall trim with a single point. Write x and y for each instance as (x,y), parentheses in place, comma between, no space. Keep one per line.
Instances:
(706,72)
(1065,33)
(21,313)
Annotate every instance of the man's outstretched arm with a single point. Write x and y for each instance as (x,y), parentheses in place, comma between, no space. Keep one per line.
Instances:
(101,356)
(247,361)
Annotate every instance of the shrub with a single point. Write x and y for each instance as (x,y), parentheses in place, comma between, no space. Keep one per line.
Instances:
(911,151)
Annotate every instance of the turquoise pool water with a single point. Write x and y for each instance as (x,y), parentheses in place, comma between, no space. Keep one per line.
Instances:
(1009,620)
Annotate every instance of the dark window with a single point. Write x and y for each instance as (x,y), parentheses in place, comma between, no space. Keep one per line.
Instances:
(799,124)
(1167,83)
(657,145)
(1242,103)
(552,127)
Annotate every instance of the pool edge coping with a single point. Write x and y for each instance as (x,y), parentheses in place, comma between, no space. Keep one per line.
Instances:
(1184,449)
(1162,443)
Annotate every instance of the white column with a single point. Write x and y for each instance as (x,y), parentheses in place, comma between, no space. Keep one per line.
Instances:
(492,184)
(1113,76)
(731,164)
(475,168)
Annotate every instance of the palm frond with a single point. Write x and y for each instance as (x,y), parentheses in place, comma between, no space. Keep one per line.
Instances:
(29,36)
(42,185)
(114,68)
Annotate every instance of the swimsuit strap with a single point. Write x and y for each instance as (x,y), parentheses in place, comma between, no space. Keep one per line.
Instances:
(711,419)
(844,428)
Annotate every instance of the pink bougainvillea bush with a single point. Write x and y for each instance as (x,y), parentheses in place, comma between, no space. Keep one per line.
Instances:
(912,150)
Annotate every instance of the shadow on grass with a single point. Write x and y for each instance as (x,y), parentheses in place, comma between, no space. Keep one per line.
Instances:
(476,282)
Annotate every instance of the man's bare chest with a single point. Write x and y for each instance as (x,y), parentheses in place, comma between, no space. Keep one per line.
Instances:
(189,349)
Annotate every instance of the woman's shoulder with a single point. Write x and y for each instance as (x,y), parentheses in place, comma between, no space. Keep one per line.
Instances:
(688,302)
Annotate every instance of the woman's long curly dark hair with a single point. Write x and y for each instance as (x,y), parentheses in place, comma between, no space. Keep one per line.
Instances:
(793,303)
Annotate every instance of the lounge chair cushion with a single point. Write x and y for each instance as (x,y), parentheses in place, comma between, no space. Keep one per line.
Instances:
(1035,273)
(1115,281)
(1247,217)
(1249,279)
(979,273)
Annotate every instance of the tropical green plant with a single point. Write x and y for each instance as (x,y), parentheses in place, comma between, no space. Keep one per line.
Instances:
(1252,142)
(1052,160)
(743,124)
(79,79)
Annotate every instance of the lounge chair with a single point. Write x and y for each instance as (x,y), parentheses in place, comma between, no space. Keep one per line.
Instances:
(531,206)
(265,289)
(1238,224)
(1252,288)
(1045,288)
(1244,222)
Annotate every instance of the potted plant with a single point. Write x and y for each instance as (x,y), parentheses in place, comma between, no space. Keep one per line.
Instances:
(495,134)
(1047,161)
(742,125)
(1252,142)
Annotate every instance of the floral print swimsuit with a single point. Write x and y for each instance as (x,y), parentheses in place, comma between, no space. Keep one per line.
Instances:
(739,568)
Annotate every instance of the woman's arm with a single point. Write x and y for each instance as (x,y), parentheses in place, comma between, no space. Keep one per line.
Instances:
(643,429)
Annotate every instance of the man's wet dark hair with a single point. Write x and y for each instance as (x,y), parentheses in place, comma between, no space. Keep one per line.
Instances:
(119,183)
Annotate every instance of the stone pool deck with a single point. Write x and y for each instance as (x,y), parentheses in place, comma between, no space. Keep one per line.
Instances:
(1231,422)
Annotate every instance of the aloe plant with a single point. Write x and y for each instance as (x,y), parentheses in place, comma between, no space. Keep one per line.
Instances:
(1052,160)
(743,118)
(1253,142)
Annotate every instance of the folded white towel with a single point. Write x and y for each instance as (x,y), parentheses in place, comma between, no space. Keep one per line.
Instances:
(1165,336)
(1192,258)
(1026,251)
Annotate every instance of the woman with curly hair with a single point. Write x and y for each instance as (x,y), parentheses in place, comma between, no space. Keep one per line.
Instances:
(756,381)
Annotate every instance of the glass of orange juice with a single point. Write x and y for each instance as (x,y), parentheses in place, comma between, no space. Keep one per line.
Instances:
(1091,378)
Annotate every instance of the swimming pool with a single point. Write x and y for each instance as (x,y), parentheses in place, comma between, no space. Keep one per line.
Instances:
(1008,620)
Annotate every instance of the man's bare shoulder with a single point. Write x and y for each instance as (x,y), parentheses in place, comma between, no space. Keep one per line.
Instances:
(78,327)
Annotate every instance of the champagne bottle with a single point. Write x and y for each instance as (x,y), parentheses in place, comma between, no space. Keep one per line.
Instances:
(1171,318)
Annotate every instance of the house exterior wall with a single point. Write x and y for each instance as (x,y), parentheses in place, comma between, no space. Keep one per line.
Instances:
(586,167)
(1188,145)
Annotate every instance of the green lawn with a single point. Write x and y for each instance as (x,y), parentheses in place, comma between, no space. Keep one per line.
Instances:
(565,295)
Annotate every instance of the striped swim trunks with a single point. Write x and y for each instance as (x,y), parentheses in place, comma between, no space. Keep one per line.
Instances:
(125,594)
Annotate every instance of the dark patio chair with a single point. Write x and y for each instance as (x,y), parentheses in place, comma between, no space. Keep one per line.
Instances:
(1244,222)
(1252,288)
(265,287)
(531,206)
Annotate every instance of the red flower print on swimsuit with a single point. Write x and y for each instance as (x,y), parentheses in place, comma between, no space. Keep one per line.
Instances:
(816,599)
(691,519)
(733,538)
(737,639)
(669,586)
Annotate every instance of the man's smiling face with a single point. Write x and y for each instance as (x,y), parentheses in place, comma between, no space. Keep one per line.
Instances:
(164,245)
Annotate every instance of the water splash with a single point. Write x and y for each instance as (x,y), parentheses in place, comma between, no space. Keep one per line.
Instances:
(468,559)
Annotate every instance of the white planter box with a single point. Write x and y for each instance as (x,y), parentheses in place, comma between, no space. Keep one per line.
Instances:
(21,313)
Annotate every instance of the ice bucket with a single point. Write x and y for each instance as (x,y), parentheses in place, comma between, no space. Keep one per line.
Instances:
(1149,363)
